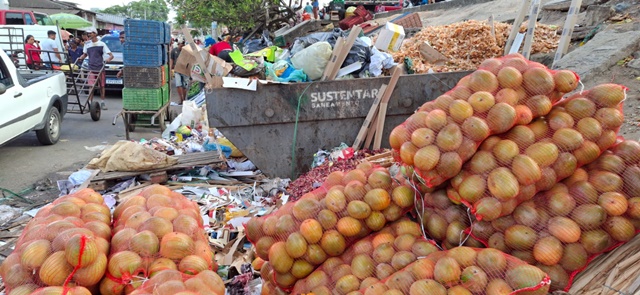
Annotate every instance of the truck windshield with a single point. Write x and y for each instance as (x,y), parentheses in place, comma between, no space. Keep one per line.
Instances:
(113,43)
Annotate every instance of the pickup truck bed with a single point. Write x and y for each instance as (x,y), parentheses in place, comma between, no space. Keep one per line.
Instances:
(31,100)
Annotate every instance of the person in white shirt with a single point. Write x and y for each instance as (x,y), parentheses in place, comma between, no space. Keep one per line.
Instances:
(95,50)
(50,51)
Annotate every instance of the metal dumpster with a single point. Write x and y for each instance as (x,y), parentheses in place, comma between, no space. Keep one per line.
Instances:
(262,123)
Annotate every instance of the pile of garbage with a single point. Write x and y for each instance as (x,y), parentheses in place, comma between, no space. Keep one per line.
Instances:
(467,44)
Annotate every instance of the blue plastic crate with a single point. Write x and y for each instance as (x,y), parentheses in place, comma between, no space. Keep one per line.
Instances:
(144,55)
(146,31)
(167,33)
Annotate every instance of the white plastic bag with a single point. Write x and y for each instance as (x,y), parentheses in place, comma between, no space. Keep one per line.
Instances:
(191,113)
(313,59)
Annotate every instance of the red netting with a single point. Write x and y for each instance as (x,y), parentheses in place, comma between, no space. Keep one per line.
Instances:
(65,247)
(463,270)
(444,133)
(511,168)
(325,222)
(369,260)
(444,221)
(562,229)
(174,282)
(154,231)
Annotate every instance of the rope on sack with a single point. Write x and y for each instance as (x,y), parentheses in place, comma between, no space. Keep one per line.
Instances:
(295,133)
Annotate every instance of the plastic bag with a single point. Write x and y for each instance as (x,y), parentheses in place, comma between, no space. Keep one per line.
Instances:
(171,281)
(324,222)
(512,167)
(156,230)
(191,113)
(504,92)
(463,270)
(313,59)
(563,229)
(289,75)
(368,261)
(379,61)
(65,247)
(360,51)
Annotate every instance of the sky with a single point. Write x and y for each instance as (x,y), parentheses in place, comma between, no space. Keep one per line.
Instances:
(89,4)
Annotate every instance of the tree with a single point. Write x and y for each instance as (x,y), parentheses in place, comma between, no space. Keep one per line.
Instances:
(142,9)
(238,15)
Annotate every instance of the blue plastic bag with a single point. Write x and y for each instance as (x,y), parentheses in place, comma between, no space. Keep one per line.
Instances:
(213,147)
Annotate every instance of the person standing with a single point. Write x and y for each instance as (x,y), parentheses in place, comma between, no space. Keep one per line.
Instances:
(121,38)
(308,9)
(182,81)
(316,7)
(51,52)
(32,53)
(95,51)
(74,51)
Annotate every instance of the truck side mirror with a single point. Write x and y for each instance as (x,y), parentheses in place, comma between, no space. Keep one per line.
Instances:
(3,88)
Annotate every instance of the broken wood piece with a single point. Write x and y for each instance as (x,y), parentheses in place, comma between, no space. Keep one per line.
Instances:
(85,184)
(431,55)
(367,120)
(567,31)
(340,52)
(493,28)
(382,112)
(371,132)
(533,16)
(516,25)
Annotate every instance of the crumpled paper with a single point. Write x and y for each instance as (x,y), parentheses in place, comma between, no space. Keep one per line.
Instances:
(131,156)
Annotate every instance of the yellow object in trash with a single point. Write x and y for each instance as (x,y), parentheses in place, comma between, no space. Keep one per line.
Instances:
(235,152)
(351,11)
(66,67)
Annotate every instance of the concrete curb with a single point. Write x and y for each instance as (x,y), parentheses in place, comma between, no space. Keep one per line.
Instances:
(600,53)
(430,7)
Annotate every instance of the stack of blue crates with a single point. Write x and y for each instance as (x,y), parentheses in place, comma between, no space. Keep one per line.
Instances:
(145,51)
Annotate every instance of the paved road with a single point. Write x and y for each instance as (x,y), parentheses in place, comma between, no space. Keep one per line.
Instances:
(24,161)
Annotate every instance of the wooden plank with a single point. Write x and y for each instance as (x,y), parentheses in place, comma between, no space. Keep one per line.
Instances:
(341,54)
(382,112)
(337,49)
(533,18)
(85,184)
(371,132)
(516,25)
(567,31)
(367,120)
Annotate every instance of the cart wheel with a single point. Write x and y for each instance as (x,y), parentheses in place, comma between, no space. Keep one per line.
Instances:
(132,118)
(94,109)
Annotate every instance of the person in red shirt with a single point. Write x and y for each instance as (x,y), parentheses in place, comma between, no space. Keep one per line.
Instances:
(32,52)
(222,49)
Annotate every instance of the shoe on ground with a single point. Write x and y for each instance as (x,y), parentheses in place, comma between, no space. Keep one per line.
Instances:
(103,106)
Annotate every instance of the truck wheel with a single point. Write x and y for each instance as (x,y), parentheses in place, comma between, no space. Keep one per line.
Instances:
(51,132)
(94,109)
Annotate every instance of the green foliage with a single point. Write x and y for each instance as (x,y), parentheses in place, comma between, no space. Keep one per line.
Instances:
(142,9)
(236,14)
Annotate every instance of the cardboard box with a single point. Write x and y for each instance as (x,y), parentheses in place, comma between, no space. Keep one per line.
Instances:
(390,37)
(187,64)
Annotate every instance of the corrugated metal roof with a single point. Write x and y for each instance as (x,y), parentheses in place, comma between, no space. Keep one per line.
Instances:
(110,18)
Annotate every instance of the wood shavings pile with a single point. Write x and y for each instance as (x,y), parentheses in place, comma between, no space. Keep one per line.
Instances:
(467,44)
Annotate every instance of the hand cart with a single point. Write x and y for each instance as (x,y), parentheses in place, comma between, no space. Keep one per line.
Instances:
(130,118)
(82,83)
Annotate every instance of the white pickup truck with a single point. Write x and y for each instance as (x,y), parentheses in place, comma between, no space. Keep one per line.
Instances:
(31,100)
